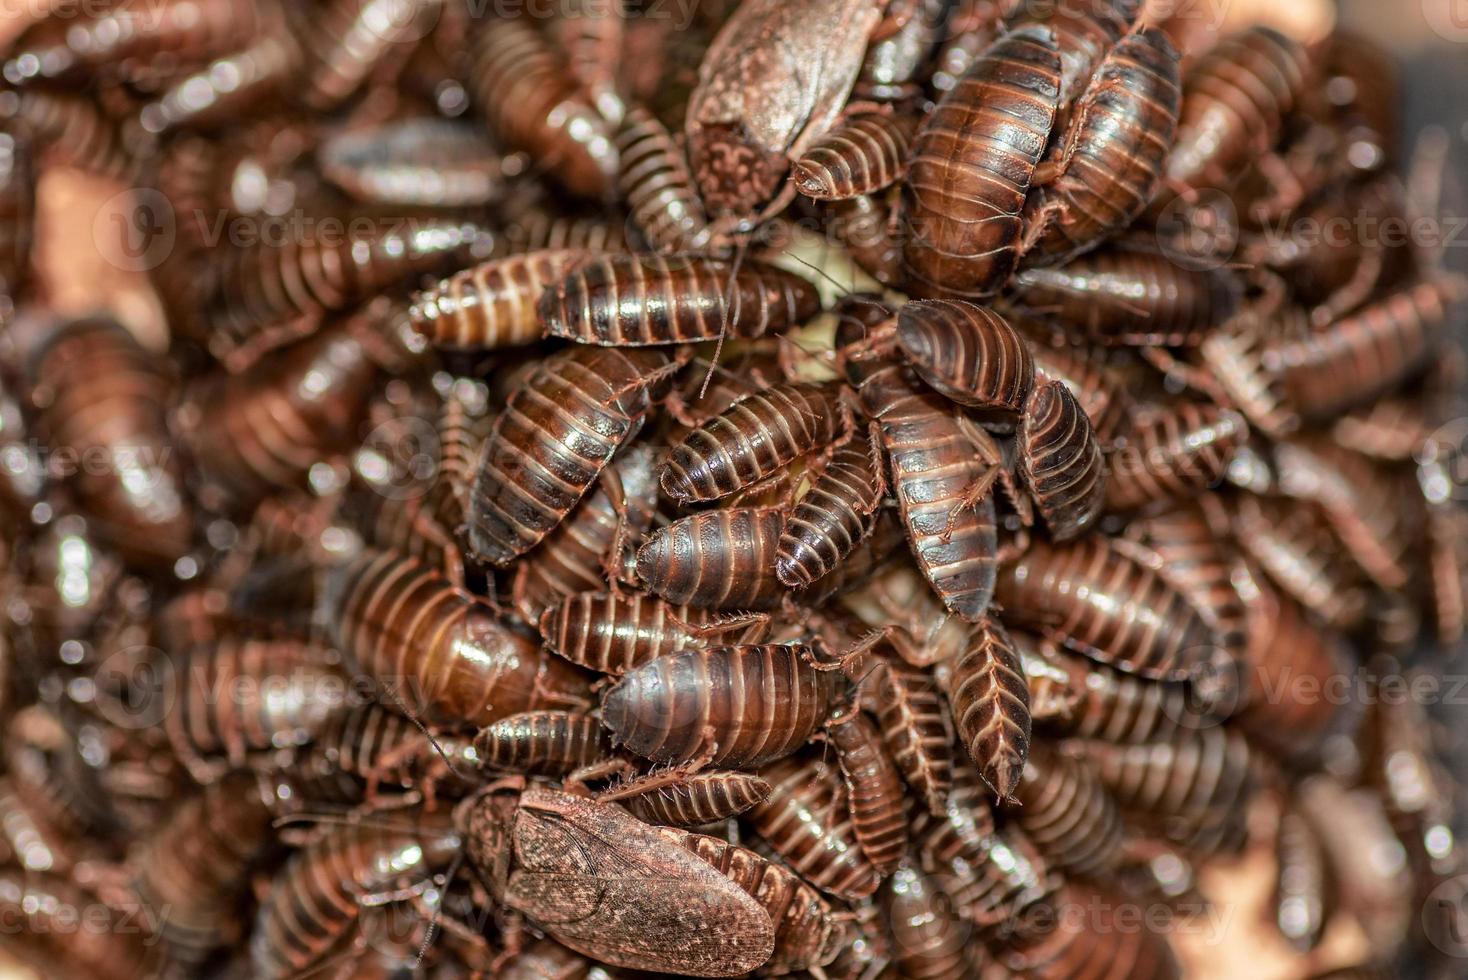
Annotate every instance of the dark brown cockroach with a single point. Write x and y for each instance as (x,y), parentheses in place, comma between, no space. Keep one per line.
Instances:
(592,32)
(941,479)
(875,794)
(1234,356)
(746,705)
(532,104)
(869,228)
(972,161)
(717,559)
(928,932)
(968,353)
(542,742)
(1101,392)
(195,868)
(834,516)
(1302,885)
(69,129)
(625,300)
(462,426)
(492,305)
(613,632)
(807,929)
(367,749)
(423,161)
(1060,461)
(557,433)
(761,101)
(1064,808)
(99,392)
(754,439)
(1107,605)
(1235,100)
(1175,454)
(893,69)
(1107,938)
(806,822)
(1292,543)
(1085,32)
(1364,355)
(695,800)
(216,95)
(1112,154)
(865,154)
(991,706)
(347,41)
(874,553)
(1128,297)
(439,651)
(60,929)
(653,178)
(17,213)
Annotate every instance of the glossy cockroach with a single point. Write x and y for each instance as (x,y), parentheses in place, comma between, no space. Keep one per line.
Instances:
(694,800)
(869,228)
(1085,32)
(653,178)
(875,793)
(1100,939)
(421,161)
(1060,461)
(893,69)
(908,703)
(863,155)
(542,742)
(365,750)
(592,33)
(991,706)
(806,821)
(491,305)
(834,516)
(968,353)
(1174,454)
(347,41)
(613,632)
(1064,808)
(716,559)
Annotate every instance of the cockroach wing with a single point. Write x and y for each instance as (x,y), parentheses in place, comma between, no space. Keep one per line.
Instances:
(607,885)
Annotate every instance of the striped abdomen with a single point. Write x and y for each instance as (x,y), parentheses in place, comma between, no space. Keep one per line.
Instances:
(348,41)
(700,799)
(968,353)
(752,440)
(875,794)
(653,179)
(1292,543)
(1063,807)
(806,821)
(461,432)
(914,722)
(626,300)
(1060,461)
(1193,552)
(1108,944)
(438,650)
(972,161)
(1178,453)
(542,742)
(216,95)
(1234,356)
(420,160)
(864,154)
(613,632)
(73,131)
(369,741)
(834,515)
(991,706)
(556,434)
(1085,30)
(491,306)
(929,940)
(1118,707)
(388,523)
(717,559)
(1085,372)
(761,702)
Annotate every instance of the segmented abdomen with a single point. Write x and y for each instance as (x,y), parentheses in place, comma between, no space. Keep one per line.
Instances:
(542,742)
(1176,454)
(1063,807)
(492,305)
(834,515)
(967,352)
(653,179)
(700,799)
(1060,461)
(862,155)
(718,559)
(806,821)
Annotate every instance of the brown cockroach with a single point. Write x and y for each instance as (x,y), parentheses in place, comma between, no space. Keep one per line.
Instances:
(17,213)
(216,95)
(875,794)
(557,433)
(55,930)
(991,706)
(1060,461)
(1235,100)
(654,180)
(462,426)
(972,161)
(491,305)
(716,559)
(972,25)
(542,742)
(806,821)
(439,651)
(1356,77)
(592,33)
(968,353)
(941,478)
(893,69)
(1302,885)
(1085,32)
(909,709)
(754,439)
(100,393)
(1175,454)
(1120,296)
(529,102)
(761,102)
(746,705)
(1064,808)
(348,41)
(1111,156)
(367,747)
(1106,940)
(834,516)
(694,800)
(1292,543)
(1234,356)
(928,933)
(1391,429)
(614,632)
(807,929)
(421,161)
(1101,392)
(70,130)
(536,229)
(864,154)
(625,300)
(388,523)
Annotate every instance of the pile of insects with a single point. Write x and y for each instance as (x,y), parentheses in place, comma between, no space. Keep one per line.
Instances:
(839,488)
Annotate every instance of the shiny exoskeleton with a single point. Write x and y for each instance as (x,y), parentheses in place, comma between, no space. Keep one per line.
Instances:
(613,633)
(874,790)
(863,155)
(1060,461)
(718,559)
(991,706)
(492,305)
(653,178)
(834,516)
(969,353)
(806,821)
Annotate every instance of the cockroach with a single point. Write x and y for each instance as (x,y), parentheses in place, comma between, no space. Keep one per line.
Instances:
(491,305)
(46,913)
(940,477)
(69,129)
(654,180)
(592,32)
(557,433)
(807,928)
(216,95)
(614,633)
(542,742)
(717,559)
(806,821)
(761,102)
(1303,886)
(1112,153)
(1234,357)
(422,161)
(100,392)
(1099,941)
(1060,461)
(875,793)
(755,438)
(969,354)
(1391,429)
(530,103)
(1085,33)
(864,154)
(17,213)
(367,747)
(1291,542)
(624,300)
(694,800)
(437,650)
(746,705)
(1064,808)
(462,426)
(1235,100)
(835,515)
(927,931)
(991,706)
(1176,454)
(971,169)
(866,949)
(1120,296)
(346,41)
(892,71)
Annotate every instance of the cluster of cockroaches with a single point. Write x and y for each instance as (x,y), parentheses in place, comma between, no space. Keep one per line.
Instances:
(625,602)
